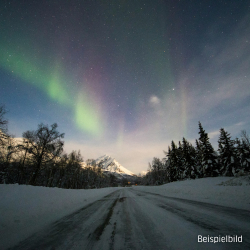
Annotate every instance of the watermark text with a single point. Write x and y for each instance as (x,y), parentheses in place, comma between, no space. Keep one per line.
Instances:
(217,239)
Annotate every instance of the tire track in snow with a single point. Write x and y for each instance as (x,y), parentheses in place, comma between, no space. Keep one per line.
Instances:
(141,231)
(131,219)
(216,219)
(78,230)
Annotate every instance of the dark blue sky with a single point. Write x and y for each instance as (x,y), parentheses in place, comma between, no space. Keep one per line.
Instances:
(125,78)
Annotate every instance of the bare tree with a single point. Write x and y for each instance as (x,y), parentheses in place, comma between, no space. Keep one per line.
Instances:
(245,137)
(3,126)
(44,146)
(3,122)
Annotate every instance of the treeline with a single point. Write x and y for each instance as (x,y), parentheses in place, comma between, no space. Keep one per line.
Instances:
(38,159)
(184,161)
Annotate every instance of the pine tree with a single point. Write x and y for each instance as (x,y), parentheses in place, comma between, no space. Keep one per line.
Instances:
(228,158)
(243,154)
(188,154)
(180,162)
(208,156)
(173,163)
(198,159)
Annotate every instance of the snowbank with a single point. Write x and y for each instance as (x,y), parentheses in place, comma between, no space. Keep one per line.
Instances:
(225,191)
(26,209)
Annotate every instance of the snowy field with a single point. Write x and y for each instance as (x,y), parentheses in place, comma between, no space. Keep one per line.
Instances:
(27,209)
(225,191)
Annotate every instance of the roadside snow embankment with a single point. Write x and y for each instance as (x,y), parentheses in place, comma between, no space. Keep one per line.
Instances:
(224,191)
(24,210)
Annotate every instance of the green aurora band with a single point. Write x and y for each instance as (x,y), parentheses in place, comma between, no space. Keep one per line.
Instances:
(86,117)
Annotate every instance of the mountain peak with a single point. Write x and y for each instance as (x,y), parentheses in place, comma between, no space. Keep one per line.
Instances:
(109,164)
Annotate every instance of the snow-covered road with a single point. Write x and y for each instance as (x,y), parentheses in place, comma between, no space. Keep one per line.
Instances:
(130,218)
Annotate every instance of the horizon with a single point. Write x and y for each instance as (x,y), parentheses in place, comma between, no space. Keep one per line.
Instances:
(211,138)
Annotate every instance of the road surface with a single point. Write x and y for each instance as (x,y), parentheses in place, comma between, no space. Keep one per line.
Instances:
(132,219)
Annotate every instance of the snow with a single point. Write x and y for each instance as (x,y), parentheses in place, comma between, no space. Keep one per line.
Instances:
(111,165)
(226,191)
(123,169)
(25,209)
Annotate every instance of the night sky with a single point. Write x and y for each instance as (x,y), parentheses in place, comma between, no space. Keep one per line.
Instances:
(124,78)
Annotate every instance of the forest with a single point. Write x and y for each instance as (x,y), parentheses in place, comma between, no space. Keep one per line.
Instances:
(184,161)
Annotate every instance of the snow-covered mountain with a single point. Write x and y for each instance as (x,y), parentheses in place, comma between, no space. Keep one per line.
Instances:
(110,165)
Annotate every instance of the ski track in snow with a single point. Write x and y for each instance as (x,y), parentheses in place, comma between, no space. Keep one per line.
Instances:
(133,219)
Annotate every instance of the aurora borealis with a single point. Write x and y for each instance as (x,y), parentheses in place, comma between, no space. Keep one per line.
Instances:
(124,78)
